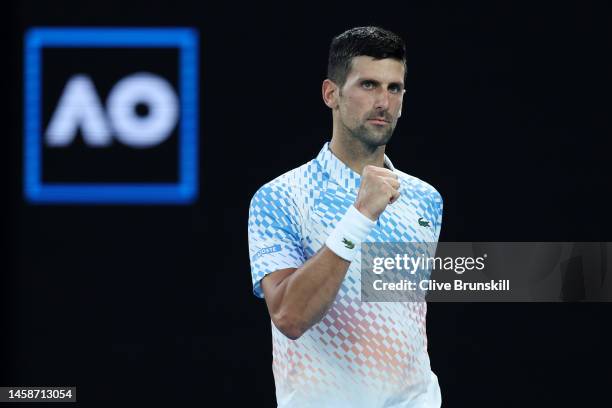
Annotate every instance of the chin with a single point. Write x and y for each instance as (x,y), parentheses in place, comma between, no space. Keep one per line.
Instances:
(377,140)
(371,137)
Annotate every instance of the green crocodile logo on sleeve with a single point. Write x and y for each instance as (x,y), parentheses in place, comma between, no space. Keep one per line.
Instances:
(348,243)
(423,222)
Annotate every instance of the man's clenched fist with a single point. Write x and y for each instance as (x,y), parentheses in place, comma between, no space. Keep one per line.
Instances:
(379,188)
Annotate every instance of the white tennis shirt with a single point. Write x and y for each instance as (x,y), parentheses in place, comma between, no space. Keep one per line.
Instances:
(361,354)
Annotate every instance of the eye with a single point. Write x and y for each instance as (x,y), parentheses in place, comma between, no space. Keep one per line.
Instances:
(395,89)
(367,85)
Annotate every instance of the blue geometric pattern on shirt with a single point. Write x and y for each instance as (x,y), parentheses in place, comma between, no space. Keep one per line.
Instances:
(362,353)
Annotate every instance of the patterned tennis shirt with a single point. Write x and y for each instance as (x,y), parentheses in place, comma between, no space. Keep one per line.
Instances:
(361,354)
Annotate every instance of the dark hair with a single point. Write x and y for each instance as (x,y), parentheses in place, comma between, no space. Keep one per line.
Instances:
(370,41)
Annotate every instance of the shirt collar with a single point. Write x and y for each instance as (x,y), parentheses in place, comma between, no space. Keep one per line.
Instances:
(339,172)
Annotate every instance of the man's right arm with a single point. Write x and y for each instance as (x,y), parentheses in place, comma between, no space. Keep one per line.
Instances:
(298,298)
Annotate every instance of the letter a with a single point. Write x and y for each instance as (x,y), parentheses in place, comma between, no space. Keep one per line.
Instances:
(79,107)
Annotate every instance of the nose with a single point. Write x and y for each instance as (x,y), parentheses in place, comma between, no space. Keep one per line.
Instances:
(382,100)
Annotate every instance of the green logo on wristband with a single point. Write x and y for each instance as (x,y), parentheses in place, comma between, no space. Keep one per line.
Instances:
(348,243)
(423,222)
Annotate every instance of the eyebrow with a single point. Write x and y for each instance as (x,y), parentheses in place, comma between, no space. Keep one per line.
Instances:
(375,82)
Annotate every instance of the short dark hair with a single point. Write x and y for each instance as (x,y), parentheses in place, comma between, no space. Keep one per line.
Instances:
(370,41)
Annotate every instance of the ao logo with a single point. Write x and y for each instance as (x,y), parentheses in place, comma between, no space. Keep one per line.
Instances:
(80,107)
(155,68)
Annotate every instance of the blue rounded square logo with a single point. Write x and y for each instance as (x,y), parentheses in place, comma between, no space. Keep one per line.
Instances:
(111,115)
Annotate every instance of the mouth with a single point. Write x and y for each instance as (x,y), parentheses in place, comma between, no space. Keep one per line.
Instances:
(378,121)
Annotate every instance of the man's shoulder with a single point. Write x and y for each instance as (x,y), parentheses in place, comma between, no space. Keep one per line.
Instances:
(293,182)
(417,185)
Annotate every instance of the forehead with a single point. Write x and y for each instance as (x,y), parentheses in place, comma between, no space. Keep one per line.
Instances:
(382,70)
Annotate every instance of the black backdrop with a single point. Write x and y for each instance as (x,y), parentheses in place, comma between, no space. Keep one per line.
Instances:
(506,114)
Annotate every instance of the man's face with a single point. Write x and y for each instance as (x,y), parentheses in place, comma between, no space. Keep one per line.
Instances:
(370,101)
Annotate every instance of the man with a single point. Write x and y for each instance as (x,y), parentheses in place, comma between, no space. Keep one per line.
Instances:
(306,227)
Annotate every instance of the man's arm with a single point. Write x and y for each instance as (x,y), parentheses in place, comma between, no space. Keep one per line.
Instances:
(298,298)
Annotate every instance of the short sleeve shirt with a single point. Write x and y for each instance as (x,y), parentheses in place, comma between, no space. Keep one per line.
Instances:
(361,354)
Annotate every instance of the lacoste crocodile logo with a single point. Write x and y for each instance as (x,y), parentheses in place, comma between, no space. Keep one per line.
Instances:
(348,243)
(423,222)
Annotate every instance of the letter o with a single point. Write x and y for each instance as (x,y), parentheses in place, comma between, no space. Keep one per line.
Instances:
(157,94)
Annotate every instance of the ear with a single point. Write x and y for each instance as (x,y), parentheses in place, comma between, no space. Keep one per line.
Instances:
(401,102)
(330,93)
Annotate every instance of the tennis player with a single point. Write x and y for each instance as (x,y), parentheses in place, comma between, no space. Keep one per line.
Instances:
(306,228)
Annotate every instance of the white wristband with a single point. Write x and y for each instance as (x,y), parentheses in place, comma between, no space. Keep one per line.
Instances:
(350,231)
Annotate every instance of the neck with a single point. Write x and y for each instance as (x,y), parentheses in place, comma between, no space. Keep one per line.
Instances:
(355,154)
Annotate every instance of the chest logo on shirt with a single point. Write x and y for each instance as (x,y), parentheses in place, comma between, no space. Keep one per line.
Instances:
(423,222)
(348,244)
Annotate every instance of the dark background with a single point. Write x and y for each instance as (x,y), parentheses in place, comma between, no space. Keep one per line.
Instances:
(506,114)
